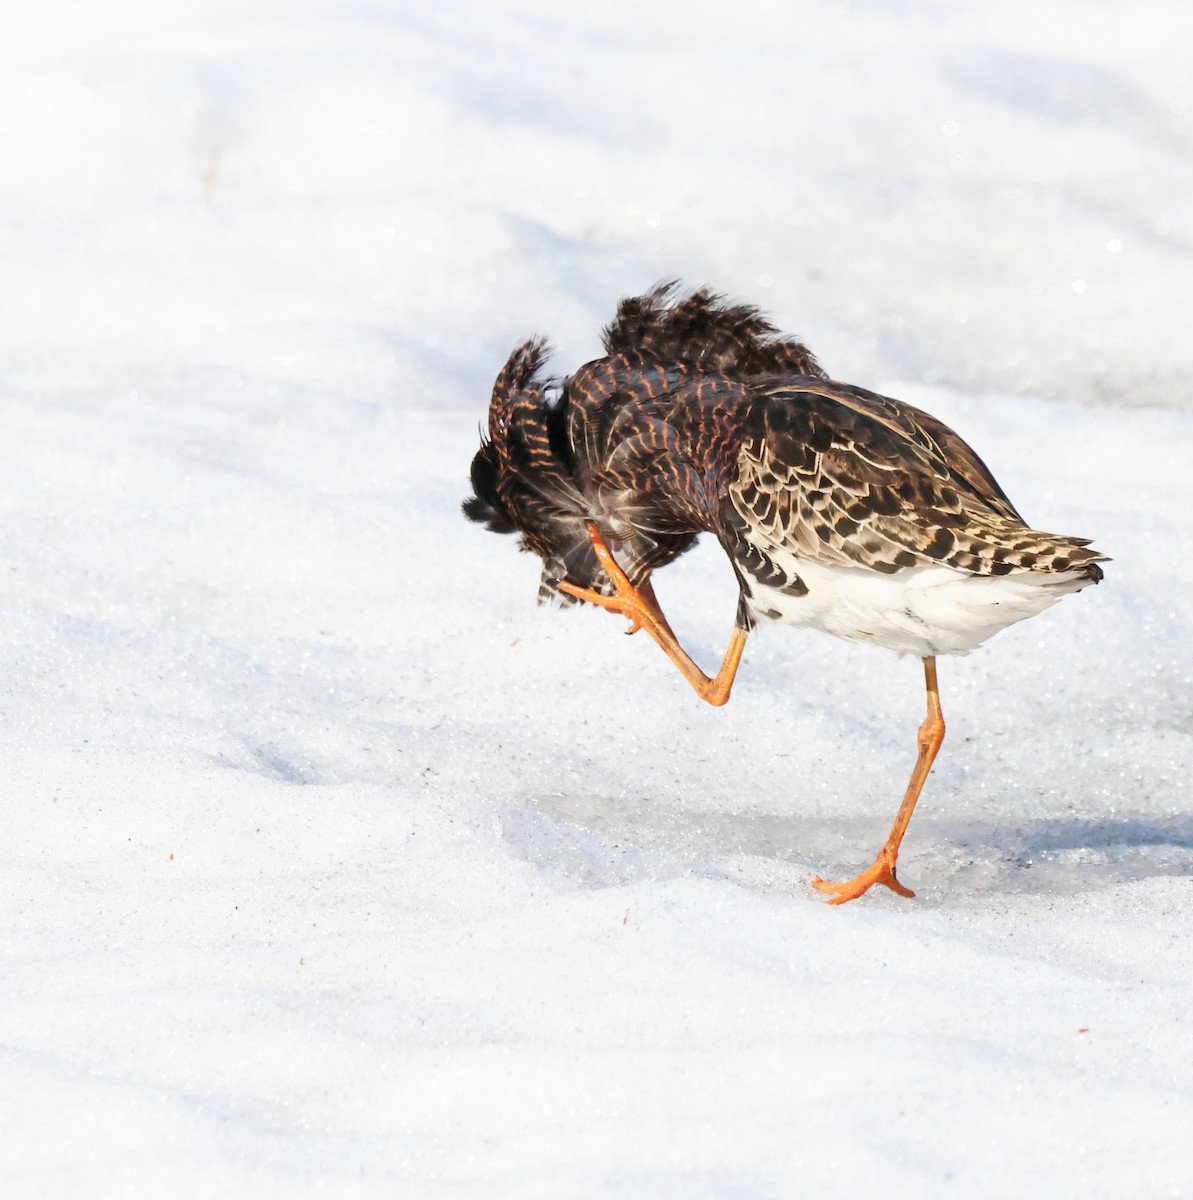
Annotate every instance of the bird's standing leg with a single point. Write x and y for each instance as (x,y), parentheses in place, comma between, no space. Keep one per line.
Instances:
(930,737)
(641,607)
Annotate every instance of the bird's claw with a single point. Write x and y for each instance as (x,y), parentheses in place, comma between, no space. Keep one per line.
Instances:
(628,606)
(882,871)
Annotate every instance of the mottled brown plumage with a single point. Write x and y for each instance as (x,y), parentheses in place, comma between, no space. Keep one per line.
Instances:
(643,441)
(838,508)
(852,478)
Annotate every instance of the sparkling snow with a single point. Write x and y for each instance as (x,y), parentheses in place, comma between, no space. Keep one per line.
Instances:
(331,864)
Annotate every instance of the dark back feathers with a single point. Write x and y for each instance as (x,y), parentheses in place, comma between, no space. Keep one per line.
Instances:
(610,444)
(701,330)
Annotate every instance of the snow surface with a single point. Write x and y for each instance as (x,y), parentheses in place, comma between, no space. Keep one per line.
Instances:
(330,863)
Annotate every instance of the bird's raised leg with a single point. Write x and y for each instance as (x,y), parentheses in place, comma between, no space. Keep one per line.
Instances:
(646,591)
(930,737)
(641,607)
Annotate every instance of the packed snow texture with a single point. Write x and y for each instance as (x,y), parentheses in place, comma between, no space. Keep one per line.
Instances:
(332,864)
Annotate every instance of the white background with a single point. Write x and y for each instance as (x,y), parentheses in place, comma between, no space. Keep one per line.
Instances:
(328,863)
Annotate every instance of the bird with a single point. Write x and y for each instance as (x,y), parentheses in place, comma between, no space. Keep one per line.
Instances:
(839,509)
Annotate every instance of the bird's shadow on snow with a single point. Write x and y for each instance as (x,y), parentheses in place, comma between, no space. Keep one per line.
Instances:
(595,841)
(1068,855)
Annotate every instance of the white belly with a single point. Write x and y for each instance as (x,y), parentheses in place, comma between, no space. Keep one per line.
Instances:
(924,610)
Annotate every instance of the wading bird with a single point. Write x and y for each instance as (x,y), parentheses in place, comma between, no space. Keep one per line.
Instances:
(839,509)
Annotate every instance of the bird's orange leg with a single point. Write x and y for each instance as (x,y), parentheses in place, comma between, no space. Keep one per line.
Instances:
(646,591)
(930,737)
(642,609)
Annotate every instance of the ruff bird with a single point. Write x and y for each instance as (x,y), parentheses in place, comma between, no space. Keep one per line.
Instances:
(839,509)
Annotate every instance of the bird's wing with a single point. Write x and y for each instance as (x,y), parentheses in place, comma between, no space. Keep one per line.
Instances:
(851,478)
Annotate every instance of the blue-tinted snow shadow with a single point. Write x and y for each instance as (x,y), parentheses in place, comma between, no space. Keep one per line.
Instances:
(1067,855)
(594,841)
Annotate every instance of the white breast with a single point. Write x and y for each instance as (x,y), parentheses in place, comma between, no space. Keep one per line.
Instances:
(924,610)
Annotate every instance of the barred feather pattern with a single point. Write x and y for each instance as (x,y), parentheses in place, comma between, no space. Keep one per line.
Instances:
(704,332)
(636,441)
(850,478)
(701,417)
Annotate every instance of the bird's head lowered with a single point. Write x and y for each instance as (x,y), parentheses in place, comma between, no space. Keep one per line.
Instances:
(560,453)
(524,475)
(485,505)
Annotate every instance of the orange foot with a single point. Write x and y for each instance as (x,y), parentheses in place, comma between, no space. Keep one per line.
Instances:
(628,601)
(627,604)
(883,871)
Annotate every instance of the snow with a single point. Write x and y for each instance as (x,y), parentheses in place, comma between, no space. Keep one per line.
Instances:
(330,863)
